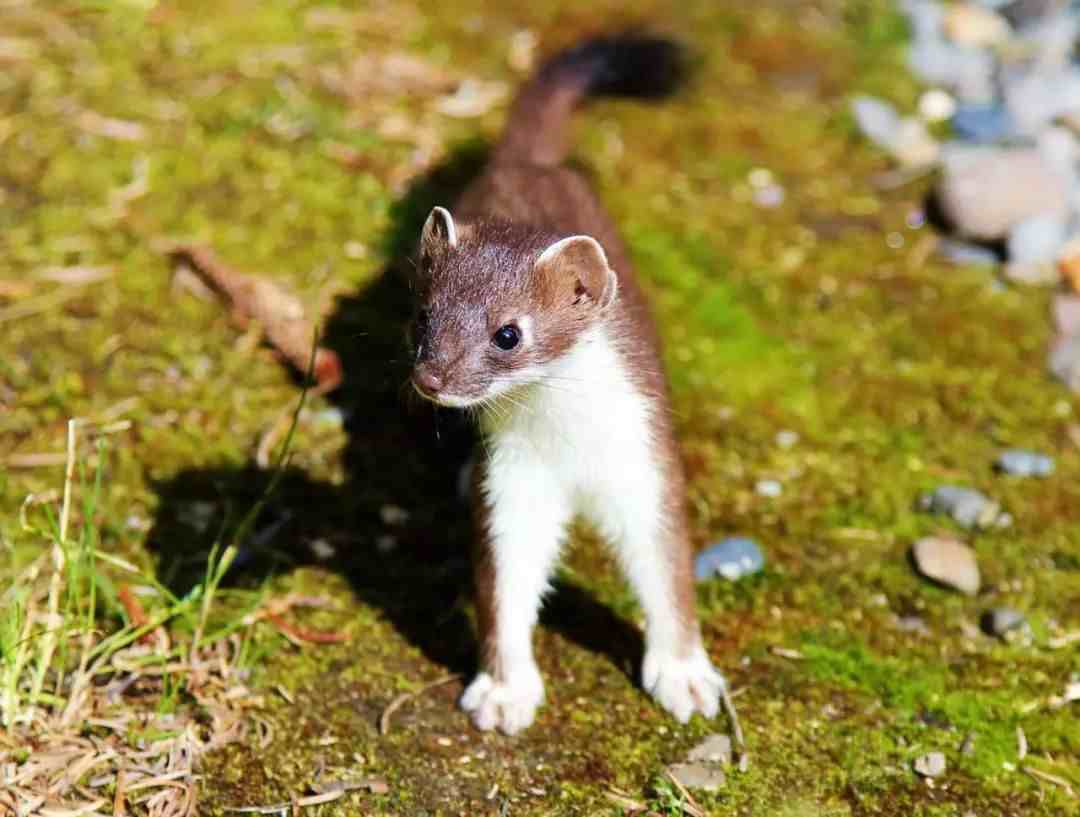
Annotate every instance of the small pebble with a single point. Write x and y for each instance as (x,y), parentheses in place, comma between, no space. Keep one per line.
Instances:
(999,621)
(1021,463)
(1067,314)
(1036,98)
(966,71)
(393,515)
(769,487)
(769,197)
(332,417)
(936,105)
(982,124)
(911,624)
(714,749)
(1064,361)
(322,550)
(981,198)
(974,26)
(701,776)
(947,561)
(967,507)
(905,138)
(967,253)
(930,765)
(1037,240)
(1032,274)
(731,558)
(787,438)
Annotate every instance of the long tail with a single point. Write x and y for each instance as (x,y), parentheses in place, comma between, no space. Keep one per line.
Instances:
(622,65)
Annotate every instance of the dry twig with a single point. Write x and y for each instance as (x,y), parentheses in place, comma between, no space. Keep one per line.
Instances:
(279,313)
(405,697)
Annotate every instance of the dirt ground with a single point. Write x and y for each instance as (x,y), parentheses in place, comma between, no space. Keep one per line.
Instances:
(306,142)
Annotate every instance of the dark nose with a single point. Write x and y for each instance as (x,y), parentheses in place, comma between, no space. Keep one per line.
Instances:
(427,380)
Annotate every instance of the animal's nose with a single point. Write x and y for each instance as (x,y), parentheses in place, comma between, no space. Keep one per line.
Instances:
(427,380)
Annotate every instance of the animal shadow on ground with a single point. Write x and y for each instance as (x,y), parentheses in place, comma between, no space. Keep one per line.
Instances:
(400,452)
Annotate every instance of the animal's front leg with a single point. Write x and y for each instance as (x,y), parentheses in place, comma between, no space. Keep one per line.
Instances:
(520,520)
(651,541)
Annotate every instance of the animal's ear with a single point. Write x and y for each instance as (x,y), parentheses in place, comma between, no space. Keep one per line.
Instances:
(578,265)
(439,231)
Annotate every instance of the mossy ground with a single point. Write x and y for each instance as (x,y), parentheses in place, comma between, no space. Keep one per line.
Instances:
(824,316)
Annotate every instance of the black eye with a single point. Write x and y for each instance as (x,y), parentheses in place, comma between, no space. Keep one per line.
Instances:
(507,337)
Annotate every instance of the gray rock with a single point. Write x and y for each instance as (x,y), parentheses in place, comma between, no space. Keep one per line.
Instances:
(1037,240)
(967,507)
(1033,274)
(731,558)
(1034,99)
(999,621)
(1047,38)
(967,253)
(904,138)
(1020,463)
(968,72)
(983,124)
(947,561)
(911,624)
(703,776)
(1025,12)
(1067,314)
(714,749)
(1064,361)
(930,765)
(925,17)
(985,191)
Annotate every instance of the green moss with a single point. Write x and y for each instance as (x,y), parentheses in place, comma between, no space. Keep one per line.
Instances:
(897,372)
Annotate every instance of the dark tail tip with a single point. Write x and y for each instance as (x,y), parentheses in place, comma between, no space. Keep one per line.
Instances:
(626,65)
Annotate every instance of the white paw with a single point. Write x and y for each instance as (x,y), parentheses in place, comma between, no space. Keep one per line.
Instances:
(508,706)
(683,686)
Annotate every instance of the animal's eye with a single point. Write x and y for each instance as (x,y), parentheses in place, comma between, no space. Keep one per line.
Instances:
(507,337)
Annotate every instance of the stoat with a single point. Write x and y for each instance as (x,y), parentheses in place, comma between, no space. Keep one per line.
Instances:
(528,314)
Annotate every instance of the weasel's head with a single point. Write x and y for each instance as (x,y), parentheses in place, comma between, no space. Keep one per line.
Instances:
(498,304)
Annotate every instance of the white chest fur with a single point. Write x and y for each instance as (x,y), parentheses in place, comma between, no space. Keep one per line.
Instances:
(583,433)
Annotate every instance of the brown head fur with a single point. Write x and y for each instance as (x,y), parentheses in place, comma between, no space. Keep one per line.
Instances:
(539,289)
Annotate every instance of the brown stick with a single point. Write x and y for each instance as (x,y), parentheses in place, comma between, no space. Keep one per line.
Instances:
(279,313)
(394,705)
(304,634)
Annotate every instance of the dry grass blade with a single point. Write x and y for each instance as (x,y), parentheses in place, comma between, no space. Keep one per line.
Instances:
(736,727)
(689,804)
(1049,778)
(370,784)
(63,671)
(625,803)
(405,697)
